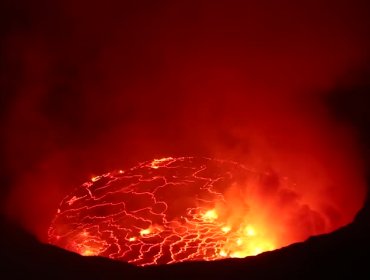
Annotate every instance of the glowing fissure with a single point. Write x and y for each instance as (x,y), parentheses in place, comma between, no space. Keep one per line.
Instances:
(170,210)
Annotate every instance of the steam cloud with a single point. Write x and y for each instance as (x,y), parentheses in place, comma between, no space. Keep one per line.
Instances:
(92,87)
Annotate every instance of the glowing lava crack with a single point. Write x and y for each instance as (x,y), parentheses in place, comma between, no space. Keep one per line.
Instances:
(169,210)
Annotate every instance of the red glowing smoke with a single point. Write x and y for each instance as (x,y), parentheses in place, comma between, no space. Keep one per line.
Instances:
(92,88)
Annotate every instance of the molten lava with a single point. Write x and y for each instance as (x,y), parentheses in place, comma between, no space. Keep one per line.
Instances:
(179,209)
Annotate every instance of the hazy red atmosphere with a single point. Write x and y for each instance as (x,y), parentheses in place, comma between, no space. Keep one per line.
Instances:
(95,88)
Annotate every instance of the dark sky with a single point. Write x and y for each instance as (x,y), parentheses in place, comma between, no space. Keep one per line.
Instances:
(89,87)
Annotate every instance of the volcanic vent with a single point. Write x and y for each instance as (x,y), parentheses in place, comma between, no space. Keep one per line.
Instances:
(178,209)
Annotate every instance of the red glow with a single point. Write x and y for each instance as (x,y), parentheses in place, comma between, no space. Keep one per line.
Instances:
(178,209)
(90,87)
